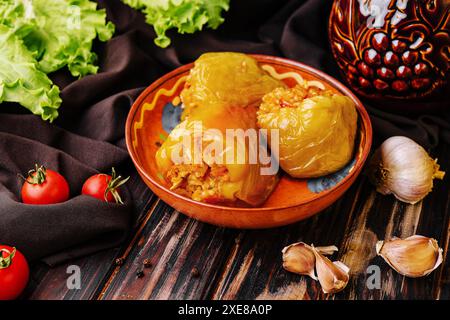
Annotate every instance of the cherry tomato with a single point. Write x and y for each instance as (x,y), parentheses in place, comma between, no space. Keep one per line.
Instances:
(44,186)
(104,187)
(14,273)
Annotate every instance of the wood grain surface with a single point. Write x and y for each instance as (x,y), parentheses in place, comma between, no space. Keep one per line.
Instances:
(185,259)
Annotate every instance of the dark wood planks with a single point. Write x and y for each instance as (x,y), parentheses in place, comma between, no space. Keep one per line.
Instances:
(176,246)
(437,206)
(354,224)
(234,264)
(257,272)
(52,283)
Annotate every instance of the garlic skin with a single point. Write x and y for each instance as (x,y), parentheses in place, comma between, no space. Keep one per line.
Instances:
(308,260)
(415,256)
(333,276)
(403,168)
(299,258)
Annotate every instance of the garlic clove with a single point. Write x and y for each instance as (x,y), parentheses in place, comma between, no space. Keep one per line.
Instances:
(415,256)
(333,276)
(299,258)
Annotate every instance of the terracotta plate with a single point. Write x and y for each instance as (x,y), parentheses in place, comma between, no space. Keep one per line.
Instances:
(153,116)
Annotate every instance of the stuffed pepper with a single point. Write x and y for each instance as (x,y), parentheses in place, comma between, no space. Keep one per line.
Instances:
(205,157)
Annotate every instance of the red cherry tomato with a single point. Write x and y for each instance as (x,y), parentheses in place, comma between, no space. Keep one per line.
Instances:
(104,187)
(14,273)
(44,186)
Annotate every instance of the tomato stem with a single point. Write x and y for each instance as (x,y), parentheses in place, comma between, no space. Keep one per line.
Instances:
(5,262)
(113,185)
(38,175)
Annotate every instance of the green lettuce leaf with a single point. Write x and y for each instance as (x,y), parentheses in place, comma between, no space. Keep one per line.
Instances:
(187,16)
(21,81)
(41,36)
(60,32)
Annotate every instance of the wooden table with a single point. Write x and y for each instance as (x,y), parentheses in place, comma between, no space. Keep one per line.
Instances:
(193,260)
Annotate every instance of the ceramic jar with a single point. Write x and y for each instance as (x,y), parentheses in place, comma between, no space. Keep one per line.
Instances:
(394,51)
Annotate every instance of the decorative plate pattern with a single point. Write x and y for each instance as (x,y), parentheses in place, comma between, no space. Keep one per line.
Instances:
(320,184)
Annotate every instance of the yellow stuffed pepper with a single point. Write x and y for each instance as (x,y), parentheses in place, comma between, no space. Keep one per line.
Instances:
(317,129)
(222,93)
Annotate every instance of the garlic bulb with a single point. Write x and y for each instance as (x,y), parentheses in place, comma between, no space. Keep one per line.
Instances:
(402,167)
(308,260)
(415,256)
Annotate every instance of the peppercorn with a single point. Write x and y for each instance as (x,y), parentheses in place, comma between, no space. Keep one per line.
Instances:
(195,273)
(147,263)
(119,261)
(140,274)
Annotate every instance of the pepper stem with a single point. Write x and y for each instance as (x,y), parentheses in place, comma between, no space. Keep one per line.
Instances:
(5,262)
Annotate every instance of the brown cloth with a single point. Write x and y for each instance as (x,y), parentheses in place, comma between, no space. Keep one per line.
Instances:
(88,137)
